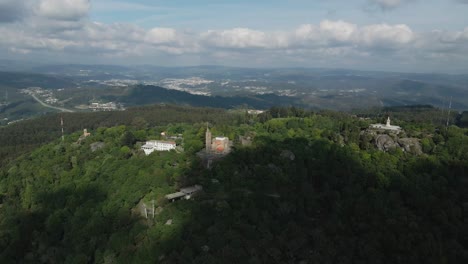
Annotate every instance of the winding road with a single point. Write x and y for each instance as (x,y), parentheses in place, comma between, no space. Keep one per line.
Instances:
(53,107)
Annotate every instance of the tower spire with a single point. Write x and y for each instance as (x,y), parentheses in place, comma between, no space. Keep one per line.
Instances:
(207,139)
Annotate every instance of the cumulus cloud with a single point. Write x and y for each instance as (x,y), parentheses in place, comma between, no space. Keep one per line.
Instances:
(337,30)
(444,43)
(385,35)
(326,34)
(161,35)
(237,38)
(334,37)
(63,9)
(328,41)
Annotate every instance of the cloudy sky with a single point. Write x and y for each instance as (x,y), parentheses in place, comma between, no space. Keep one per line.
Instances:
(400,35)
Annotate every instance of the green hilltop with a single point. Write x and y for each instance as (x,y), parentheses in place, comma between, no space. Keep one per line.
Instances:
(305,188)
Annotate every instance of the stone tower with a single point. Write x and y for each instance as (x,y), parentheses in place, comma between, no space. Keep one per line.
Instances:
(388,122)
(208,140)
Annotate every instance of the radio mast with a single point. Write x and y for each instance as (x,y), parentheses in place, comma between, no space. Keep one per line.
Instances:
(61,124)
(448,114)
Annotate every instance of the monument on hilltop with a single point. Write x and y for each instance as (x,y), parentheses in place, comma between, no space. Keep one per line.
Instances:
(386,126)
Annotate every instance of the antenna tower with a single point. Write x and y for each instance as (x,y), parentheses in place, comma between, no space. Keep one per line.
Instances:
(448,114)
(61,124)
(153,207)
(442,113)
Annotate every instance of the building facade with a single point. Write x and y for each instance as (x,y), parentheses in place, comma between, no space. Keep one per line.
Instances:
(217,145)
(158,145)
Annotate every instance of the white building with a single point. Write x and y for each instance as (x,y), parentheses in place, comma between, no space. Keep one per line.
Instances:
(187,193)
(255,112)
(158,145)
(387,126)
(103,107)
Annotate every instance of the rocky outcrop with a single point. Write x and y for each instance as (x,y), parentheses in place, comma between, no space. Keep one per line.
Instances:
(287,154)
(96,146)
(410,145)
(385,142)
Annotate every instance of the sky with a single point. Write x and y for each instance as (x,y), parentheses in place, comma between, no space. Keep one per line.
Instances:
(393,35)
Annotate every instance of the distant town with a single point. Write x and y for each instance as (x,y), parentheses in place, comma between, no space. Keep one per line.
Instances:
(48,97)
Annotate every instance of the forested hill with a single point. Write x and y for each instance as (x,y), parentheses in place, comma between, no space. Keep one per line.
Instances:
(462,120)
(24,80)
(309,188)
(26,135)
(148,94)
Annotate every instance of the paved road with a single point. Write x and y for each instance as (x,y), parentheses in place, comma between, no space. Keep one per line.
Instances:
(53,107)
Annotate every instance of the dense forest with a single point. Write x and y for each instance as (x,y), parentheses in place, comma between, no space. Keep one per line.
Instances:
(462,119)
(307,188)
(149,94)
(23,136)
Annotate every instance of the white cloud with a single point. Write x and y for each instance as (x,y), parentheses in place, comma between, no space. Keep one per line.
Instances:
(337,30)
(161,35)
(448,44)
(236,38)
(307,32)
(326,42)
(63,9)
(385,35)
(328,35)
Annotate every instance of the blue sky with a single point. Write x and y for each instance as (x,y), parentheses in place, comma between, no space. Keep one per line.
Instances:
(404,35)
(277,14)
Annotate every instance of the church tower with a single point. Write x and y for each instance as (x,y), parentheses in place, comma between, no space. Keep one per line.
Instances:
(208,139)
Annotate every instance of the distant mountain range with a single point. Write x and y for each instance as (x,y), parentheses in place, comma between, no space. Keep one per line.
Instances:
(228,87)
(22,80)
(147,94)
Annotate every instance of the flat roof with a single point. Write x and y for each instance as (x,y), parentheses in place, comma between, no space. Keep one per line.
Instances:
(160,141)
(191,189)
(175,195)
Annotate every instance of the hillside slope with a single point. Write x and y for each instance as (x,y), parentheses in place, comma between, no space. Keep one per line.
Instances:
(306,190)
